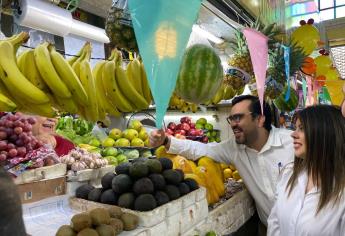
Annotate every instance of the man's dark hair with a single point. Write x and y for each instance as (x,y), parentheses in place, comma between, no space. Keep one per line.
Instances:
(255,108)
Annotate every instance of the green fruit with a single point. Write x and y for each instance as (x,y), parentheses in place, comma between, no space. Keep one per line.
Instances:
(95,142)
(145,202)
(289,105)
(143,134)
(112,160)
(121,158)
(108,142)
(218,139)
(209,126)
(211,140)
(211,233)
(201,121)
(130,134)
(138,170)
(115,134)
(199,126)
(137,142)
(154,165)
(122,142)
(109,151)
(209,134)
(200,75)
(136,125)
(214,133)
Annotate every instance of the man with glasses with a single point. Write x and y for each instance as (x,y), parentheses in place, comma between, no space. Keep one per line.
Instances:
(257,149)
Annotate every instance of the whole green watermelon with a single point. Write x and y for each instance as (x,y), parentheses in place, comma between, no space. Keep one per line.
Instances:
(200,75)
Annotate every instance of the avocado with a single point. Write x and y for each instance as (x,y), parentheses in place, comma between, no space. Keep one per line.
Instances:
(126,200)
(172,176)
(117,225)
(138,170)
(193,185)
(183,188)
(167,164)
(145,202)
(172,191)
(115,211)
(99,216)
(123,168)
(81,221)
(95,195)
(154,166)
(158,181)
(106,180)
(66,230)
(109,197)
(143,185)
(105,230)
(161,198)
(122,183)
(83,191)
(140,159)
(130,221)
(181,173)
(88,232)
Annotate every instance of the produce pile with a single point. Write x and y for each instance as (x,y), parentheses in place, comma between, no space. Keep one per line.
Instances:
(16,139)
(117,156)
(99,222)
(41,81)
(142,185)
(80,159)
(200,131)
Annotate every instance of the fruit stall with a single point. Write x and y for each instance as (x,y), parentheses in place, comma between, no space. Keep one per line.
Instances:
(80,95)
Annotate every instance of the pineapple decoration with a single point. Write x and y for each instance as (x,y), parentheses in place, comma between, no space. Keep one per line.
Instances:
(119,27)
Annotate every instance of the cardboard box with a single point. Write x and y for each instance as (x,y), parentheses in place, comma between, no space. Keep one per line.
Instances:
(35,191)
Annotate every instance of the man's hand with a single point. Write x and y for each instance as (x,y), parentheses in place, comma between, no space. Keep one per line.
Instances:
(157,138)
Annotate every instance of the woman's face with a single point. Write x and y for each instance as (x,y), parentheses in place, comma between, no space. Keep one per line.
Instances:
(299,142)
(44,125)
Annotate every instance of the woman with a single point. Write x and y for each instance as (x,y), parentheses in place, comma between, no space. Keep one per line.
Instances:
(310,197)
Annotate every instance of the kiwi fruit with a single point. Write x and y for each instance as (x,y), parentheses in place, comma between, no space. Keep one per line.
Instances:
(81,221)
(105,230)
(88,232)
(117,225)
(115,212)
(130,221)
(99,216)
(66,230)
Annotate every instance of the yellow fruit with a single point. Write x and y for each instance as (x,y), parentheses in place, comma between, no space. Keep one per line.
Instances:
(108,142)
(232,167)
(161,152)
(137,142)
(130,134)
(227,173)
(115,134)
(236,175)
(224,166)
(147,142)
(135,124)
(180,162)
(214,173)
(193,165)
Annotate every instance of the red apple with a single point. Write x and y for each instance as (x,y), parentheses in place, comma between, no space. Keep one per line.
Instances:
(192,125)
(199,132)
(180,131)
(185,126)
(204,139)
(193,132)
(178,127)
(186,119)
(172,126)
(169,131)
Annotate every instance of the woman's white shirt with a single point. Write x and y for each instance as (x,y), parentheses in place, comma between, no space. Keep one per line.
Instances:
(294,215)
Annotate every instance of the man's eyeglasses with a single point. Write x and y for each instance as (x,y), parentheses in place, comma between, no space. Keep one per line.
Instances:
(237,117)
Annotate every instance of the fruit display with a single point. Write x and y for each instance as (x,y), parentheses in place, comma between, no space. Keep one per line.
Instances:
(80,159)
(99,221)
(141,185)
(16,139)
(198,81)
(200,131)
(177,103)
(289,105)
(41,81)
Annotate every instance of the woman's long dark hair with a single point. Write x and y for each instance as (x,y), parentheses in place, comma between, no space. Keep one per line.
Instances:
(324,129)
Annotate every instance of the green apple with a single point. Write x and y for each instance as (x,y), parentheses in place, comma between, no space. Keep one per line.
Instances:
(130,134)
(218,139)
(115,134)
(108,142)
(209,126)
(121,158)
(201,121)
(211,140)
(214,133)
(135,124)
(199,126)
(137,142)
(95,142)
(112,160)
(143,134)
(110,151)
(122,142)
(209,134)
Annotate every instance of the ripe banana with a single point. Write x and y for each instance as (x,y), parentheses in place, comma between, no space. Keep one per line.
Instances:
(48,72)
(133,72)
(145,85)
(112,90)
(6,104)
(104,103)
(44,109)
(128,90)
(15,80)
(27,65)
(193,107)
(229,92)
(67,105)
(68,76)
(76,64)
(219,95)
(73,59)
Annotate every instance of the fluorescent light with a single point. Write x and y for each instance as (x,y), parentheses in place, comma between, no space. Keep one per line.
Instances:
(207,34)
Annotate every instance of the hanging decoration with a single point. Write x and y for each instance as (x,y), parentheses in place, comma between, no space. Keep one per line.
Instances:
(287,70)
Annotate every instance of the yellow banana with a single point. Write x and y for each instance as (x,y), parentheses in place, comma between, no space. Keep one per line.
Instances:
(218,96)
(6,104)
(67,105)
(229,92)
(44,109)
(193,107)
(133,72)
(86,75)
(128,90)
(14,80)
(184,107)
(103,101)
(73,59)
(112,90)
(68,76)
(27,65)
(145,85)
(48,72)
(76,64)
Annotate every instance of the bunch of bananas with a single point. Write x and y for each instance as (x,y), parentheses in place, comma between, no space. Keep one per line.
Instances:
(42,82)
(119,89)
(177,103)
(225,92)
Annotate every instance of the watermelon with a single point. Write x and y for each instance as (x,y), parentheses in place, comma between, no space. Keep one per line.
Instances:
(200,75)
(289,105)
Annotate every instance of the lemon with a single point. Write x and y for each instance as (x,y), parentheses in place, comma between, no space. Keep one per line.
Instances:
(236,175)
(227,173)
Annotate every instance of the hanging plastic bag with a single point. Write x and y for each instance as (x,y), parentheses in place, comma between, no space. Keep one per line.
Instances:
(119,27)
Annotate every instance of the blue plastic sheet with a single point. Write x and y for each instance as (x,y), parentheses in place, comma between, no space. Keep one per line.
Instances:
(162,29)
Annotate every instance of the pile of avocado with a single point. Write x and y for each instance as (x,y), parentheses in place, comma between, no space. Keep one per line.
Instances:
(99,222)
(142,185)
